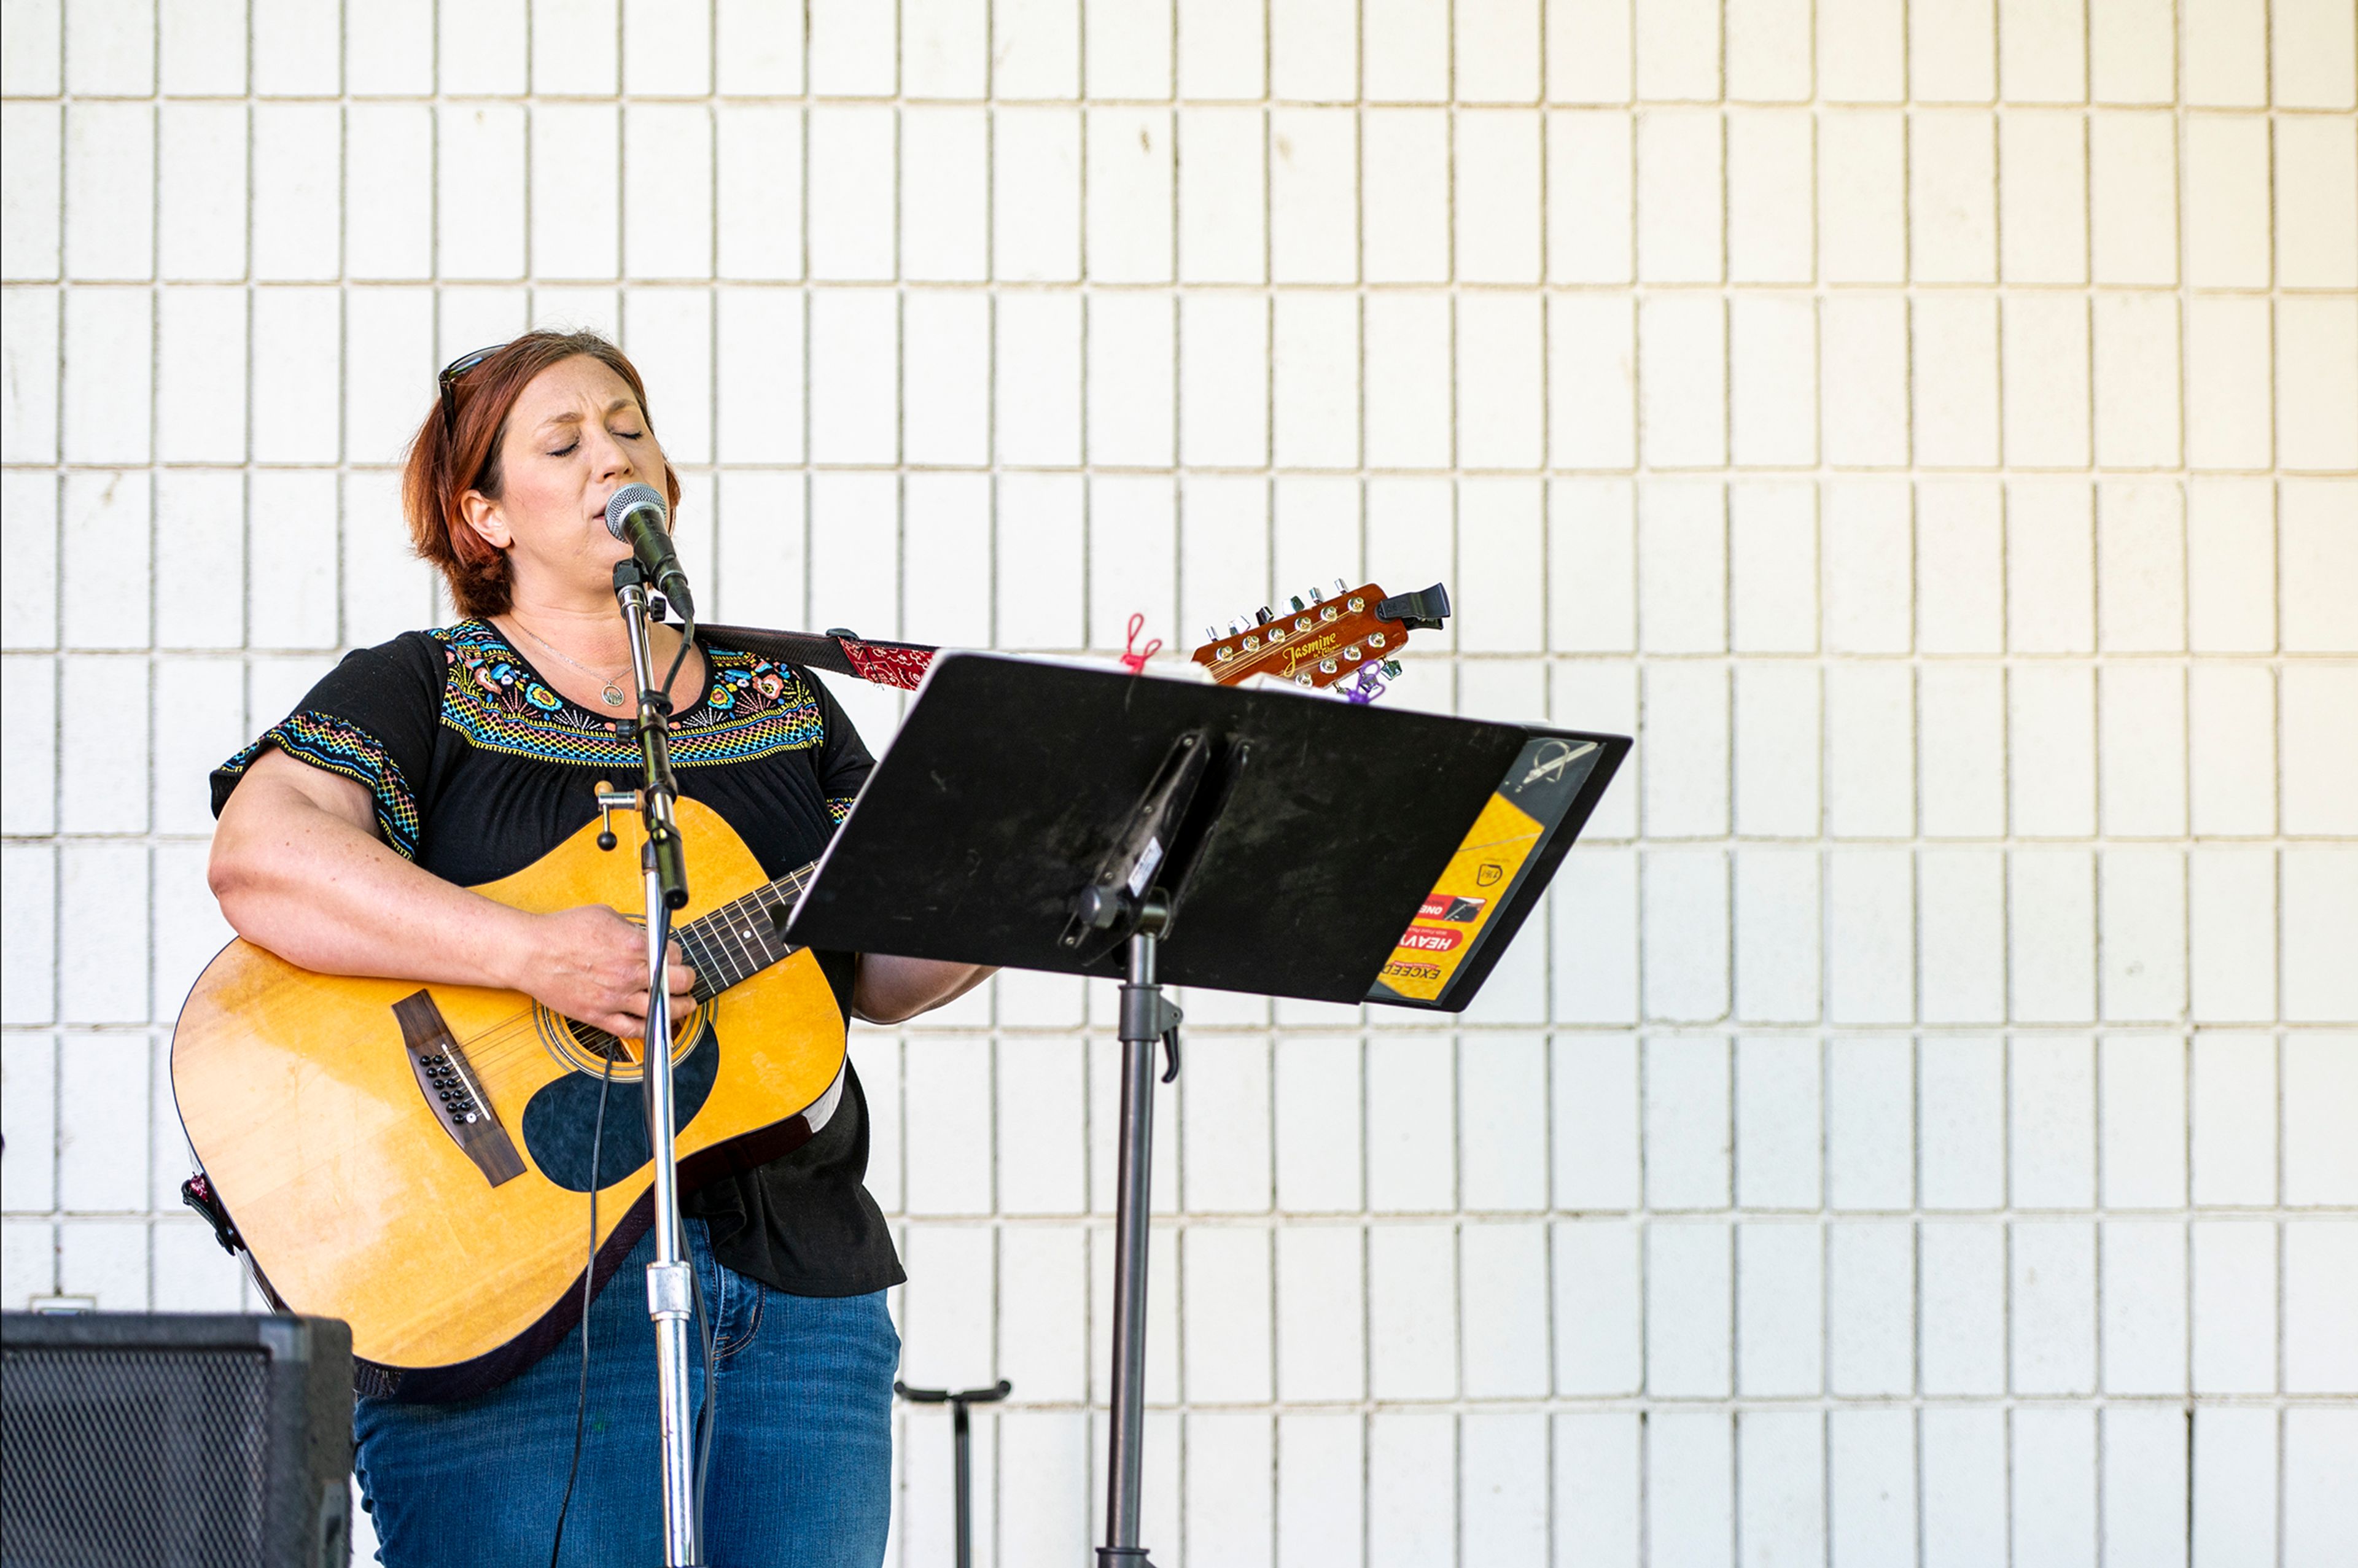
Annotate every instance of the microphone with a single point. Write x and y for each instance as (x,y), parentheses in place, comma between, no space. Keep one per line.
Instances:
(635,516)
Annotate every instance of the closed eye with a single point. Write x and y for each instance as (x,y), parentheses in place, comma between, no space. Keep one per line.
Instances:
(625,435)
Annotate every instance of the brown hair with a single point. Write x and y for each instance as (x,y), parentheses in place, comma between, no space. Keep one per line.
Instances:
(450,456)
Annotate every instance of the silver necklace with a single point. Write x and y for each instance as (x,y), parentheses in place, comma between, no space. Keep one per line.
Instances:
(612,693)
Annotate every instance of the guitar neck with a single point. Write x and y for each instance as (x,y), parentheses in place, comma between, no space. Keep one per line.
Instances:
(743,937)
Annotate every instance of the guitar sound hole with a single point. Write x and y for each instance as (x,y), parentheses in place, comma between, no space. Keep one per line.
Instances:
(596,1041)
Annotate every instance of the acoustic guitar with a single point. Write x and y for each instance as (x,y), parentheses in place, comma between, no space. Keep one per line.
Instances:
(416,1160)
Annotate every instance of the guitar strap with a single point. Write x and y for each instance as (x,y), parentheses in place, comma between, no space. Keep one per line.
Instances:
(197,1193)
(839,651)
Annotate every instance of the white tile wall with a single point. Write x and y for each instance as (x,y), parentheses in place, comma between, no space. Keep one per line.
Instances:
(1932,428)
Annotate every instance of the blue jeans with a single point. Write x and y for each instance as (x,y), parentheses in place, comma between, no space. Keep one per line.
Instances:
(802,1456)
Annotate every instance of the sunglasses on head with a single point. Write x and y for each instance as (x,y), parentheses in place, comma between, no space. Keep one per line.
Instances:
(449,381)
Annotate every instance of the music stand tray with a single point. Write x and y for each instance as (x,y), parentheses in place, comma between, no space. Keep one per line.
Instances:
(1044,815)
(1338,826)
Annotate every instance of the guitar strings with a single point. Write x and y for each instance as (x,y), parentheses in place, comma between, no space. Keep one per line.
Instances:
(511,1037)
(713,948)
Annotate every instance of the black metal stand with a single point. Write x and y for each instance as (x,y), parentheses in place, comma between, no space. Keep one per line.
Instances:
(1135,892)
(962,1443)
(671,1288)
(1047,817)
(1146,1018)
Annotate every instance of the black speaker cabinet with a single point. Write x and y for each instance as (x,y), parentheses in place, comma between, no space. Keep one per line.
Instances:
(175,1440)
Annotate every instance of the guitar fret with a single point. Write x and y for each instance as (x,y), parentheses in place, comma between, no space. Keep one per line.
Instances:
(740,929)
(741,937)
(774,910)
(700,959)
(765,923)
(734,955)
(758,921)
(743,931)
(715,941)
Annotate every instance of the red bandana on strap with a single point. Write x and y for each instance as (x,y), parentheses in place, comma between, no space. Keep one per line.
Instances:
(838,652)
(888,663)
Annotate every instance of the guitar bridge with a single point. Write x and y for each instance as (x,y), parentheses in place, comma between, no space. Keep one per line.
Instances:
(452,1091)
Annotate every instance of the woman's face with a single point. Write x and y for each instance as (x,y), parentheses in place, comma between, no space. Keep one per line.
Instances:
(573,437)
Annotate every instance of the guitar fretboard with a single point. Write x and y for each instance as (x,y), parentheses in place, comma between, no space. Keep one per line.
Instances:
(743,937)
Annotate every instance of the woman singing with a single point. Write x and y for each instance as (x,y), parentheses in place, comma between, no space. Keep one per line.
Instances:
(349,834)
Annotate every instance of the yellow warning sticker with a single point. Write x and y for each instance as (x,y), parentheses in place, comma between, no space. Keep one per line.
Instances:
(1462,902)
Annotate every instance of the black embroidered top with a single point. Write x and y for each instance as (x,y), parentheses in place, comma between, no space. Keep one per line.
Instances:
(479,768)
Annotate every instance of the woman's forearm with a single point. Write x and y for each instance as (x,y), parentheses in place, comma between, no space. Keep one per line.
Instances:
(893,990)
(300,879)
(298,870)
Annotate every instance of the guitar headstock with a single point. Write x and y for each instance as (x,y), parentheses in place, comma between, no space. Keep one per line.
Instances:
(1327,636)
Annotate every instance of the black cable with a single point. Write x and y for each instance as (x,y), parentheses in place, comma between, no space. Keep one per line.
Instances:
(704,1422)
(588,1290)
(686,641)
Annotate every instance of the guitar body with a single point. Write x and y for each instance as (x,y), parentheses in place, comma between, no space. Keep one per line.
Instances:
(318,1112)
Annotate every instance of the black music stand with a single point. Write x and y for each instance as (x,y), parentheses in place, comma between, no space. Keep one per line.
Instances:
(1041,816)
(961,1440)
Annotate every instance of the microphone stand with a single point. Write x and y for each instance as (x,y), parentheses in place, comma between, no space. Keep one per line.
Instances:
(671,1290)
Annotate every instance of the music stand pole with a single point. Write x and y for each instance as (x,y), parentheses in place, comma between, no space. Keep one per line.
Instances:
(671,1289)
(1146,1018)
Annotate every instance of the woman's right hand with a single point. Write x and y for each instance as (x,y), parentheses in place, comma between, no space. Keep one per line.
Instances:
(590,964)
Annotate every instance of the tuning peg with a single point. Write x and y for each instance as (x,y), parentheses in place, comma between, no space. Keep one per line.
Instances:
(1297,601)
(1237,625)
(1316,595)
(1339,588)
(1391,669)
(1262,616)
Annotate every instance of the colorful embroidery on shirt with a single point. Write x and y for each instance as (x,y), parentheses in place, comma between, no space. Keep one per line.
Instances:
(752,709)
(341,747)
